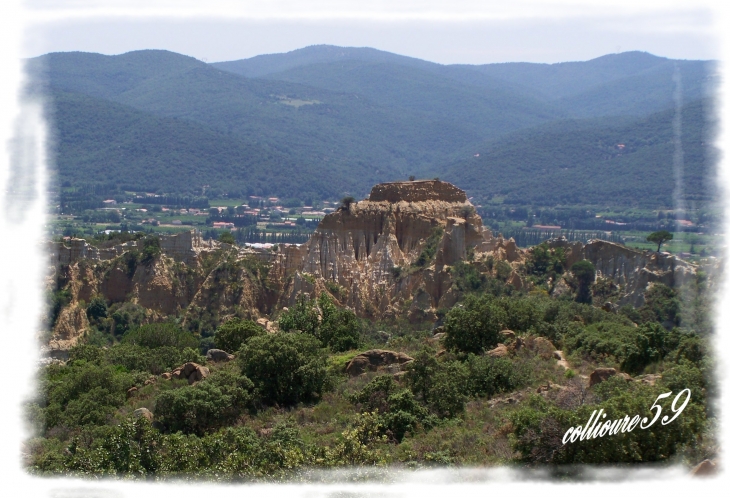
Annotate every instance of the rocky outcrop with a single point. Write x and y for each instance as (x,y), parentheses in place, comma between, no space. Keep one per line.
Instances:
(500,351)
(631,269)
(417,191)
(371,247)
(144,413)
(704,469)
(190,371)
(599,375)
(218,355)
(373,360)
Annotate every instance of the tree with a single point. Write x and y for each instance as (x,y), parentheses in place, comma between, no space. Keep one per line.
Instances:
(231,335)
(474,327)
(411,178)
(227,238)
(659,238)
(286,368)
(584,273)
(97,308)
(347,202)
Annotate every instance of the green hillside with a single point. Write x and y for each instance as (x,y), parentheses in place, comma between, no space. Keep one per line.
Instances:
(582,162)
(110,143)
(332,121)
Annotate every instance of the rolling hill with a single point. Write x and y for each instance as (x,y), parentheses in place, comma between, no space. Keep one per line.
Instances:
(328,121)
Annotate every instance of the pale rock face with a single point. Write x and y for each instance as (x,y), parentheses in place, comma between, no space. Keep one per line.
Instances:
(358,248)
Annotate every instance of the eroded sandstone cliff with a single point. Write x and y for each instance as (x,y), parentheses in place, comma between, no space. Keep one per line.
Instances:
(386,256)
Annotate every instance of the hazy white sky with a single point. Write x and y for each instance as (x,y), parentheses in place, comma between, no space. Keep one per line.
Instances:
(445,32)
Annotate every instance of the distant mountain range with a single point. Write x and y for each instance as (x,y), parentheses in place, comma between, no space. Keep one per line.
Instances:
(328,121)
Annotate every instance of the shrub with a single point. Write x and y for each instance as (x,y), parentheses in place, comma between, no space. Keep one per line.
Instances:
(652,343)
(396,408)
(661,305)
(441,386)
(337,328)
(126,317)
(82,393)
(211,403)
(475,326)
(231,335)
(584,274)
(97,308)
(429,249)
(600,341)
(303,316)
(539,427)
(286,368)
(488,376)
(340,328)
(155,335)
(150,249)
(227,238)
(153,360)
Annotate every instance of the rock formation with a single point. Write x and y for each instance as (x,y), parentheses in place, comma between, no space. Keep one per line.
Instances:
(387,256)
(372,248)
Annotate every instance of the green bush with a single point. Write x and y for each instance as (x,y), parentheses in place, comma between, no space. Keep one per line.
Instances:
(125,317)
(488,376)
(82,392)
(440,386)
(152,360)
(337,328)
(303,316)
(59,300)
(97,308)
(396,407)
(340,327)
(600,342)
(474,326)
(150,249)
(231,335)
(539,427)
(155,335)
(661,305)
(286,368)
(651,343)
(584,273)
(211,403)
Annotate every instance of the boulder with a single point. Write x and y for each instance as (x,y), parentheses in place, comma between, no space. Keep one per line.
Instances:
(218,355)
(704,468)
(166,376)
(373,360)
(507,334)
(143,412)
(599,375)
(499,352)
(190,371)
(131,391)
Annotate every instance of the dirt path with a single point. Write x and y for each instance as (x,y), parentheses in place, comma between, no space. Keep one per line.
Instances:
(558,355)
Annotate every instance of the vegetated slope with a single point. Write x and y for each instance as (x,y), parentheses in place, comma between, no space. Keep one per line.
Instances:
(367,141)
(491,108)
(104,142)
(266,64)
(634,83)
(583,162)
(341,124)
(562,79)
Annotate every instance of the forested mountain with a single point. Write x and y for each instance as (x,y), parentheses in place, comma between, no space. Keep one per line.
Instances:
(328,121)
(594,161)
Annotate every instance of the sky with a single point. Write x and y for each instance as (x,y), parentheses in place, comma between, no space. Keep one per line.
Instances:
(453,32)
